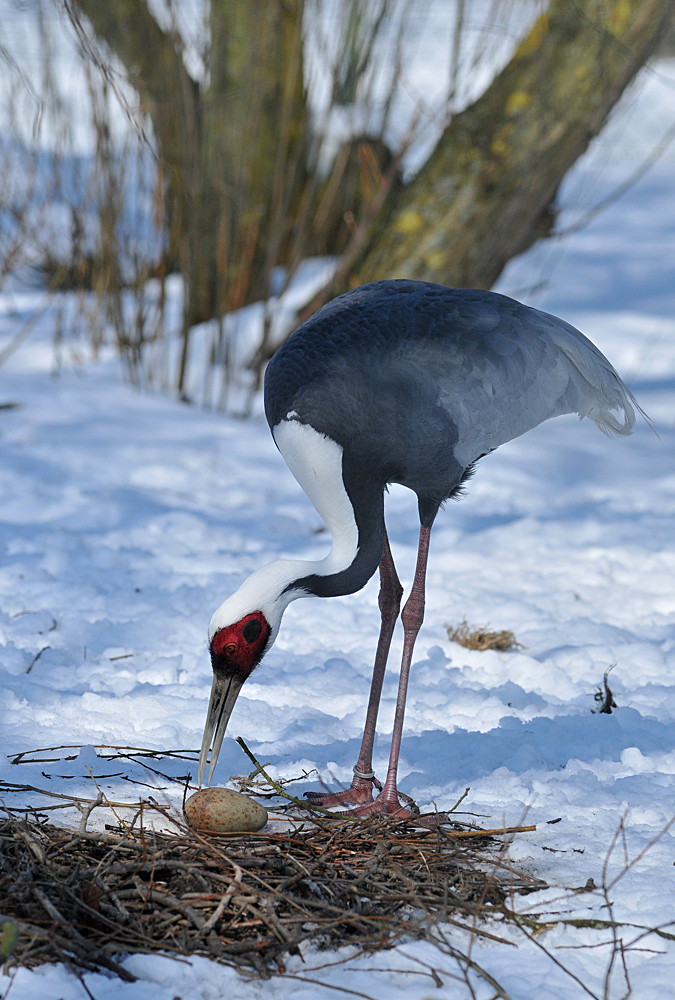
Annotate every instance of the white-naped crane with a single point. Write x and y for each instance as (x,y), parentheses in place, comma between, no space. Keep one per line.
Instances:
(396,382)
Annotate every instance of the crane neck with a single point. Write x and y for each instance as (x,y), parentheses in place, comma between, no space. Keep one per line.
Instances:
(351,506)
(352,509)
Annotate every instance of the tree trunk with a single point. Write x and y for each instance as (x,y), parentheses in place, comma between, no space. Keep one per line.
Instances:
(255,132)
(166,92)
(232,153)
(487,191)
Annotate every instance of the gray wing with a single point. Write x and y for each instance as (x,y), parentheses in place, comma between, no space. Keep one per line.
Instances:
(508,367)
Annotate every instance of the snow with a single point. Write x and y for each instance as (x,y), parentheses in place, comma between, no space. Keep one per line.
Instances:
(126,518)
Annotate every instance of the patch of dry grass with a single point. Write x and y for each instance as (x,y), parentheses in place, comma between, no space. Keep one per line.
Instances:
(481,638)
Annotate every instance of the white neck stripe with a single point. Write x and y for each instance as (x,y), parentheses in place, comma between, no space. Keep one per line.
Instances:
(316,462)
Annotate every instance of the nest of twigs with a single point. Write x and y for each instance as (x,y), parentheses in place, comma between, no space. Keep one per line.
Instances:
(88,898)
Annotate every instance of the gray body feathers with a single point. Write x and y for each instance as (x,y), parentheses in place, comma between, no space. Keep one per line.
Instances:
(416,382)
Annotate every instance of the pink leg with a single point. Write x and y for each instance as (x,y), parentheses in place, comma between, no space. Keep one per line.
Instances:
(412,618)
(389,600)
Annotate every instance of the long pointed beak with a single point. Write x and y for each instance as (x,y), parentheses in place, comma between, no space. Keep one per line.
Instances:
(224,692)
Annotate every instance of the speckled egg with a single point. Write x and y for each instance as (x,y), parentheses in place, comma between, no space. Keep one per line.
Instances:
(221,810)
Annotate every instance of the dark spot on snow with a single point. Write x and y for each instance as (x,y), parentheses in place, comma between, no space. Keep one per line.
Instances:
(605,699)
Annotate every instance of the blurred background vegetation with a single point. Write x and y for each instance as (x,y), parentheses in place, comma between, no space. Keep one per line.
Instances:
(180,164)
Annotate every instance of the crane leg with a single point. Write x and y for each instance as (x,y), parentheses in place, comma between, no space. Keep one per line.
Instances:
(412,618)
(389,600)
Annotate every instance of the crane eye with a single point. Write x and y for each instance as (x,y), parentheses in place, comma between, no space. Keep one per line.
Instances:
(251,630)
(230,648)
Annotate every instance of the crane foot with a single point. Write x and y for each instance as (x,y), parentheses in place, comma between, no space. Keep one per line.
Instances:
(360,793)
(387,803)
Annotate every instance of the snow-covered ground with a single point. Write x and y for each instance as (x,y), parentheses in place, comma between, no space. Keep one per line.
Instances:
(126,518)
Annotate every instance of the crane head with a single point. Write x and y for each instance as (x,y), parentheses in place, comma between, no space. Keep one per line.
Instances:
(235,651)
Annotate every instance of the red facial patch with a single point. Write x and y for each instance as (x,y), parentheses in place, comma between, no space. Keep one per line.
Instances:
(238,648)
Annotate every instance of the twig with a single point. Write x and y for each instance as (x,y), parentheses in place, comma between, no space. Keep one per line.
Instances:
(87,810)
(36,658)
(30,842)
(220,909)
(49,906)
(460,799)
(74,799)
(24,331)
(309,807)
